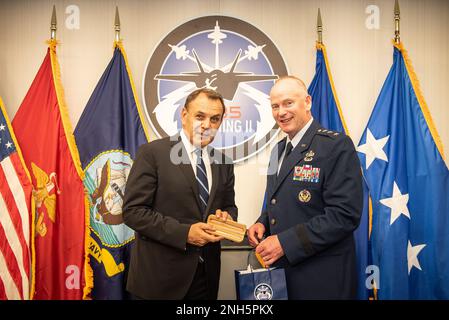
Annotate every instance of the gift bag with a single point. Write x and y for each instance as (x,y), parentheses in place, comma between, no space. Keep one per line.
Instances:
(261,284)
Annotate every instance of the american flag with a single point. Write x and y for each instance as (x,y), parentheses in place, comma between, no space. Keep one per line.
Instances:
(15,205)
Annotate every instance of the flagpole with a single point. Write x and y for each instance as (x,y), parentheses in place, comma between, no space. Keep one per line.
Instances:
(117,25)
(53,24)
(397,18)
(319,27)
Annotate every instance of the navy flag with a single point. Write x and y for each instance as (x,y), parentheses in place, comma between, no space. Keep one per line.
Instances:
(326,110)
(402,160)
(108,135)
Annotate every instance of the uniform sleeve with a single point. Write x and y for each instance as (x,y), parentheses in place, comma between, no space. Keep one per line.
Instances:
(138,212)
(343,201)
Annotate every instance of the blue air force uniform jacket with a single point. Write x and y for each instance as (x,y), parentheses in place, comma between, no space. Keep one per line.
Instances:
(313,205)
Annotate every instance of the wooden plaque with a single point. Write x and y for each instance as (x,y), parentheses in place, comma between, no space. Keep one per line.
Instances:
(230,230)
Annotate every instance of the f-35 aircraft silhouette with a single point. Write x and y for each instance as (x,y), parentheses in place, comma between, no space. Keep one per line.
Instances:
(226,83)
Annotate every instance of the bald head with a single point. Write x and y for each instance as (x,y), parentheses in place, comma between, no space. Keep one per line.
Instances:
(290,104)
(294,79)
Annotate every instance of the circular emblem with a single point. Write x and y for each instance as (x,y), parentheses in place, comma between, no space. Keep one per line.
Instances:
(106,178)
(225,54)
(263,291)
(304,196)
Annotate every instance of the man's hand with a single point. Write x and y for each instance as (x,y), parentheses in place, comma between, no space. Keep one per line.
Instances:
(270,250)
(199,234)
(223,215)
(255,233)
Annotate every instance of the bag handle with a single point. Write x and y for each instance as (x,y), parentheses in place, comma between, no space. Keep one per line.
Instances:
(250,266)
(247,259)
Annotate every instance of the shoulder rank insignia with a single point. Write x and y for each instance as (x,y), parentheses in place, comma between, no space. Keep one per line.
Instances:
(328,133)
(309,156)
(306,173)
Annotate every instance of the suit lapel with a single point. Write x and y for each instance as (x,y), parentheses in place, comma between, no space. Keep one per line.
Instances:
(296,155)
(187,171)
(274,164)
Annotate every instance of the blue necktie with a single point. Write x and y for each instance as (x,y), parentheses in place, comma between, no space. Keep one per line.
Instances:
(201,177)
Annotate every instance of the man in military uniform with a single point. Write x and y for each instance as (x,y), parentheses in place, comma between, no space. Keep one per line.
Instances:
(313,201)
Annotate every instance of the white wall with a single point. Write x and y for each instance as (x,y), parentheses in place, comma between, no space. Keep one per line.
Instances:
(360,58)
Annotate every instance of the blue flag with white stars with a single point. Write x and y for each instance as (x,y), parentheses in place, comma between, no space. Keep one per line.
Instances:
(402,160)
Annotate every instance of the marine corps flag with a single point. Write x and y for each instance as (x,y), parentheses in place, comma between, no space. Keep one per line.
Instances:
(108,135)
(43,130)
(402,158)
(15,217)
(326,109)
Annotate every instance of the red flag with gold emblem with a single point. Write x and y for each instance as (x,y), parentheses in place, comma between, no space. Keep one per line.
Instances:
(44,132)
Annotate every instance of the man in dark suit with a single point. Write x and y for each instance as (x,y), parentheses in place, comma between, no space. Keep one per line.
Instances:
(174,184)
(313,201)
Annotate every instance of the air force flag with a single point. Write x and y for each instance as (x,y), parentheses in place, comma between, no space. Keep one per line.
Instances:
(325,105)
(326,109)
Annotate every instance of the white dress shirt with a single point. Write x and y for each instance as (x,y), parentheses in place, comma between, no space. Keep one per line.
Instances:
(190,148)
(294,141)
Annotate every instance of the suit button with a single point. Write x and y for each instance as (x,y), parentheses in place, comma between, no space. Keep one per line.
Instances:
(273,221)
(273,201)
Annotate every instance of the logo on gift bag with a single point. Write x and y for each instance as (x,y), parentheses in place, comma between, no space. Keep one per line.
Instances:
(263,291)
